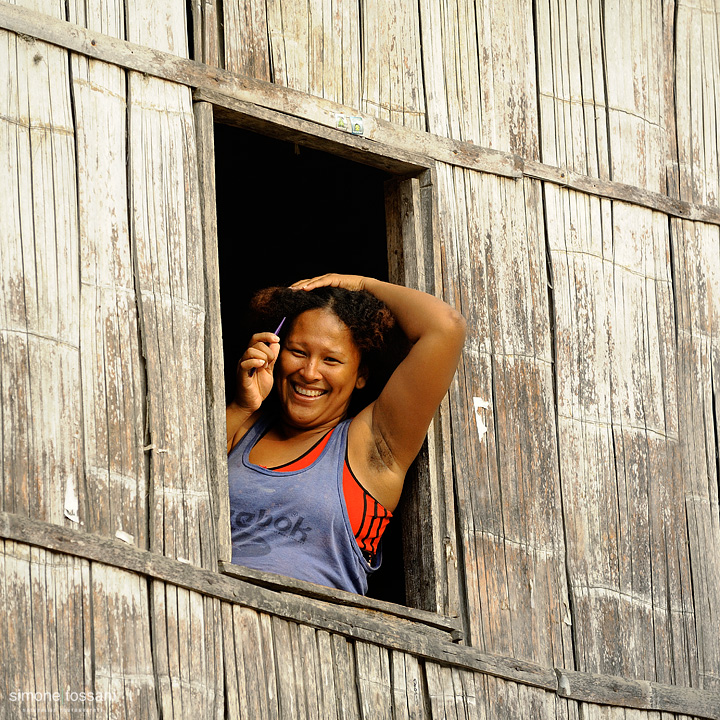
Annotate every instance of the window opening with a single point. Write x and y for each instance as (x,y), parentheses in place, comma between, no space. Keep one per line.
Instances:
(287,212)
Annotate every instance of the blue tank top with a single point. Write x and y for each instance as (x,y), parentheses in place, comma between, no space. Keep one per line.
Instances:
(295,523)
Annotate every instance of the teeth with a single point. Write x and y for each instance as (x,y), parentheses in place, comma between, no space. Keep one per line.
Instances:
(307,392)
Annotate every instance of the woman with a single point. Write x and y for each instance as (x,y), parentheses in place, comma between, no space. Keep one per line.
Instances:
(295,470)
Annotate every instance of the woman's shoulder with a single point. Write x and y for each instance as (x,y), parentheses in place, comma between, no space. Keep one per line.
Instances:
(245,427)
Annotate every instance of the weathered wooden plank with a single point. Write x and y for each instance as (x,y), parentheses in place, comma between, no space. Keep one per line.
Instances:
(246,44)
(441,692)
(451,626)
(618,428)
(164,65)
(255,668)
(81,644)
(167,252)
(329,689)
(315,48)
(509,514)
(291,689)
(112,366)
(407,687)
(695,261)
(480,62)
(392,80)
(344,668)
(158,25)
(638,694)
(696,86)
(184,652)
(372,663)
(638,105)
(494,672)
(571,88)
(428,512)
(214,361)
(39,319)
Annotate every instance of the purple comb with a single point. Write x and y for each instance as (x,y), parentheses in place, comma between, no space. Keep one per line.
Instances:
(252,370)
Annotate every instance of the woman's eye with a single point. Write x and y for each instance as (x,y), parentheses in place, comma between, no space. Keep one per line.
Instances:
(331,360)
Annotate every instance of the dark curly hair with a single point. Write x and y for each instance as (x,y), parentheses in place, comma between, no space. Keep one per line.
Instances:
(371,324)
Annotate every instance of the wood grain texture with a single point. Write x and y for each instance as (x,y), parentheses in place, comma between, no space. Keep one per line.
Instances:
(113,376)
(695,266)
(479,62)
(73,627)
(40,373)
(246,41)
(628,565)
(502,409)
(697,78)
(315,47)
(167,253)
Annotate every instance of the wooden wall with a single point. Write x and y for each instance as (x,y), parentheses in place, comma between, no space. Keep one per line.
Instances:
(588,509)
(584,424)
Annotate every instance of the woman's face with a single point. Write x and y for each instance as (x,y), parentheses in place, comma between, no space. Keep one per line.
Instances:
(317,370)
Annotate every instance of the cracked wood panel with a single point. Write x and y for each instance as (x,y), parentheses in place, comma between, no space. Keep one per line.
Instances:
(362,54)
(391,62)
(696,263)
(480,77)
(113,372)
(167,258)
(311,46)
(73,626)
(186,643)
(605,89)
(506,472)
(167,255)
(697,88)
(617,405)
(40,369)
(168,265)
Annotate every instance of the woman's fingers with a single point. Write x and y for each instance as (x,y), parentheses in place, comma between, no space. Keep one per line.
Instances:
(262,354)
(350,282)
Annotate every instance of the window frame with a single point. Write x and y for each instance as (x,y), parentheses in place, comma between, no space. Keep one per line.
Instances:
(429,542)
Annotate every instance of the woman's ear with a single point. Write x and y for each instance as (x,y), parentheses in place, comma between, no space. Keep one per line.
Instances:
(362,377)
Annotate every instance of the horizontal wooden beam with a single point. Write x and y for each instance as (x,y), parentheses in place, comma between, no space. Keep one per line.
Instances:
(354,617)
(319,115)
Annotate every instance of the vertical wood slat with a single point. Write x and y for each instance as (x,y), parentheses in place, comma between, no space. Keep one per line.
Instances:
(373,681)
(314,47)
(697,285)
(571,87)
(392,79)
(39,317)
(428,509)
(214,362)
(247,51)
(502,407)
(697,79)
(479,59)
(640,113)
(112,367)
(618,430)
(168,264)
(84,629)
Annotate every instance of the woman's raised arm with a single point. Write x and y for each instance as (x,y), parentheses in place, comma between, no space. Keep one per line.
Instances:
(398,420)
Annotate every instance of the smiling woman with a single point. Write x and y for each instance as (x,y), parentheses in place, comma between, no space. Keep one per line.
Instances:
(314,477)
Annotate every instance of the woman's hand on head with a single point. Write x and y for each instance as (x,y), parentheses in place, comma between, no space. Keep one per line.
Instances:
(255,370)
(349,282)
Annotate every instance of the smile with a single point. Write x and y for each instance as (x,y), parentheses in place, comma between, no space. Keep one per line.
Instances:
(307,392)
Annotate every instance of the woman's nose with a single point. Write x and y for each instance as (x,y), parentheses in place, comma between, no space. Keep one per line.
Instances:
(309,369)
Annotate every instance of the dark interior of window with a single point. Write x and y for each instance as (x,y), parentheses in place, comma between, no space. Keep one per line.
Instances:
(287,212)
